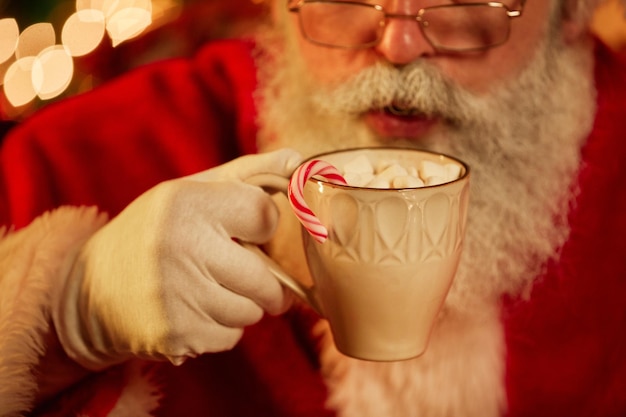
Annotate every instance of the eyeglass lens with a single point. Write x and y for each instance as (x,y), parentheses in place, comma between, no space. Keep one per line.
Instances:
(454,27)
(464,28)
(341,24)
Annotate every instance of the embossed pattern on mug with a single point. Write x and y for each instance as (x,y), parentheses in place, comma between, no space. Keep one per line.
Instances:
(406,228)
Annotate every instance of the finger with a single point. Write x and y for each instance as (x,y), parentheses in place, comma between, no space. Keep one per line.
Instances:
(198,337)
(229,308)
(288,299)
(247,213)
(244,273)
(281,162)
(237,209)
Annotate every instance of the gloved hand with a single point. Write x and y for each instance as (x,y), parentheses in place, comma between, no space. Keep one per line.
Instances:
(165,279)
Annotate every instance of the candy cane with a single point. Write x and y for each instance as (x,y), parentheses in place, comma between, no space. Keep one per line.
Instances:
(295,193)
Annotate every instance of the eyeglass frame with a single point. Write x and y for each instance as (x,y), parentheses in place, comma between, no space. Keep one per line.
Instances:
(511,14)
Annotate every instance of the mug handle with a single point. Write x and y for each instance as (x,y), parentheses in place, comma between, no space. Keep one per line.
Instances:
(273,183)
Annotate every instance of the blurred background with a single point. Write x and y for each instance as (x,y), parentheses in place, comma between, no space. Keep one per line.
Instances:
(51,49)
(104,38)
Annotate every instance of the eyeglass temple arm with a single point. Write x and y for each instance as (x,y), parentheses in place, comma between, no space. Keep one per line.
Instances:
(518,12)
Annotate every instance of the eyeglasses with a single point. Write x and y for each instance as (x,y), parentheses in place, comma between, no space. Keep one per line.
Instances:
(459,27)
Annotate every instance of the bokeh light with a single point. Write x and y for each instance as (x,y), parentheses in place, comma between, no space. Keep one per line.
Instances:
(18,82)
(83,31)
(52,71)
(127,23)
(33,65)
(9,35)
(111,7)
(35,39)
(89,4)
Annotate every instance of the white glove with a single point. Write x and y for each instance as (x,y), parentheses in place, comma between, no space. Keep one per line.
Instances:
(165,279)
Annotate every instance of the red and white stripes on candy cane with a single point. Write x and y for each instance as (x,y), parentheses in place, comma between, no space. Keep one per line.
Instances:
(296,197)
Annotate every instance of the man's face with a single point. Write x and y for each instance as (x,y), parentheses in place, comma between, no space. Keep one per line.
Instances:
(403,43)
(517,114)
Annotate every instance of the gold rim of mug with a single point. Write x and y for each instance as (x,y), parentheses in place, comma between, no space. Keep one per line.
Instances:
(316,178)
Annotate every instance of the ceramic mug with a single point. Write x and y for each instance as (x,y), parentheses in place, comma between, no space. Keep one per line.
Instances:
(382,275)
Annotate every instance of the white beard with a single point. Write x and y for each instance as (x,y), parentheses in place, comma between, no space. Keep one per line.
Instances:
(522,142)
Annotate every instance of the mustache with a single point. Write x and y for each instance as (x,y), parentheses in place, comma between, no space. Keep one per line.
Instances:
(417,88)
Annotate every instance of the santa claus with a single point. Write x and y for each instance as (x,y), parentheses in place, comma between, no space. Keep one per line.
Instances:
(144,314)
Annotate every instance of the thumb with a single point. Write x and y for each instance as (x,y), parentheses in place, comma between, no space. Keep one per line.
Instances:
(281,162)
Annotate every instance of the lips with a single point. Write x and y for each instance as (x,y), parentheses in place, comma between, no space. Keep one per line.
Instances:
(399,121)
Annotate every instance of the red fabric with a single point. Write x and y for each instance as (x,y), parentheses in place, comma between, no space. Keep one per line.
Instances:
(95,396)
(272,372)
(565,347)
(108,146)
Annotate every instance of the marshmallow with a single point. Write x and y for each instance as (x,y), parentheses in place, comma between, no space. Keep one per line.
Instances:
(432,169)
(453,171)
(359,165)
(407,181)
(391,172)
(360,172)
(357,179)
(378,182)
(383,164)
(435,180)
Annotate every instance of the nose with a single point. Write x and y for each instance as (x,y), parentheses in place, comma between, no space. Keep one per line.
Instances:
(403,41)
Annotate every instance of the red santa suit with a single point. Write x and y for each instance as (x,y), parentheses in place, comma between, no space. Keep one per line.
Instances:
(565,346)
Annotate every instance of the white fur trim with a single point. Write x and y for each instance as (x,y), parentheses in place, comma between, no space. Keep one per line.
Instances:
(141,395)
(32,261)
(461,374)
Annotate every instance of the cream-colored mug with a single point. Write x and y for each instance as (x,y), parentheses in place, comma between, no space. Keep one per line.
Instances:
(382,275)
